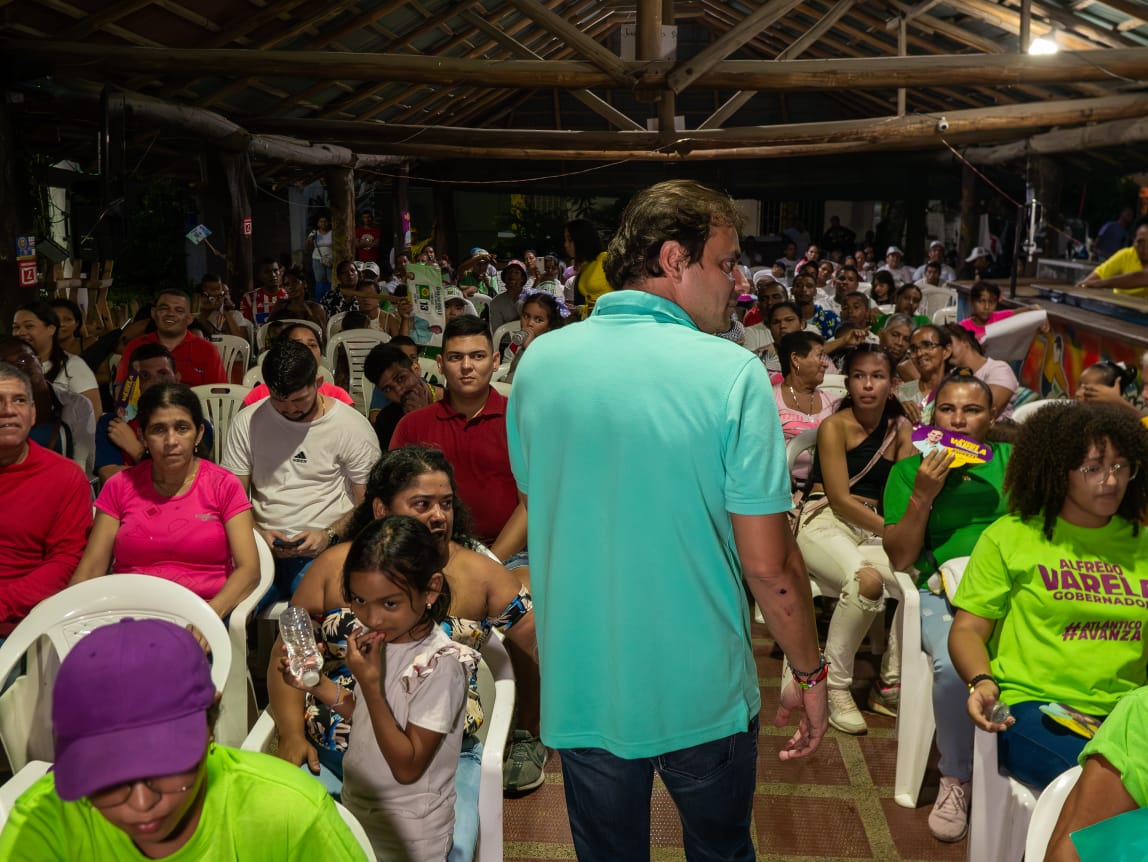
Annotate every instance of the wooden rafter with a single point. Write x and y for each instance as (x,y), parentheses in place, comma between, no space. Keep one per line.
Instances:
(803,42)
(91,23)
(599,56)
(1111,134)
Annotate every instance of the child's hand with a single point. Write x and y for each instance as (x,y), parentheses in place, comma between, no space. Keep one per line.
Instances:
(288,676)
(367,657)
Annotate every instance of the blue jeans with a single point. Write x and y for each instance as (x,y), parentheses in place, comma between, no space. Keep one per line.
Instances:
(712,785)
(288,573)
(1036,749)
(950,694)
(466,782)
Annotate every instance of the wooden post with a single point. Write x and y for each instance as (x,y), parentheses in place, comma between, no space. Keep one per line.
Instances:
(901,51)
(968,213)
(240,265)
(11,226)
(1025,26)
(341,194)
(402,205)
(1048,180)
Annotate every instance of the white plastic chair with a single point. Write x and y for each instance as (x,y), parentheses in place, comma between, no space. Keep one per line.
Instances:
(69,615)
(834,384)
(933,299)
(497,692)
(14,787)
(505,331)
(502,387)
(261,332)
(253,377)
(946,315)
(354,347)
(1001,807)
(1010,339)
(480,299)
(335,324)
(220,402)
(1047,812)
(916,723)
(1026,410)
(358,831)
(240,690)
(232,350)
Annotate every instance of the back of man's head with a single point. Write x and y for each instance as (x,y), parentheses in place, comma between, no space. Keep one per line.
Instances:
(681,211)
(464,326)
(289,367)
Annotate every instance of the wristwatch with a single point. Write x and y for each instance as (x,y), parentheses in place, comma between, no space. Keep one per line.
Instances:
(332,537)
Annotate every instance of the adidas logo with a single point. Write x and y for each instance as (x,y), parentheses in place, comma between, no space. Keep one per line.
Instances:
(300,457)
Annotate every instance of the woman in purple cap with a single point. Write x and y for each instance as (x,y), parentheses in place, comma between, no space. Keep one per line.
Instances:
(137,775)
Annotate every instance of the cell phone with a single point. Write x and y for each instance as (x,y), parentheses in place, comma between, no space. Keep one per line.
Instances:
(280,543)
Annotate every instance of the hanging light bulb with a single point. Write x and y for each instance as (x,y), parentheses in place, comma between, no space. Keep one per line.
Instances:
(1043,45)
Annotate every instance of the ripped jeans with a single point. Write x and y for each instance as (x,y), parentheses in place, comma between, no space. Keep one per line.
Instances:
(834,551)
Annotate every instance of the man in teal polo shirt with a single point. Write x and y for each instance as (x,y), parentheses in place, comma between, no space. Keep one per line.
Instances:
(655,480)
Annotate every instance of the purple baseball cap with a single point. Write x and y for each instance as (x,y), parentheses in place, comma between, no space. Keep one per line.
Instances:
(130,702)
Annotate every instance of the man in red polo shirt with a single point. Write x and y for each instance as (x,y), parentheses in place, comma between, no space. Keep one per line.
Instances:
(469,426)
(196,359)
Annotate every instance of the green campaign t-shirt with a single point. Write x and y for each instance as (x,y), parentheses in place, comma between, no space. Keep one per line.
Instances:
(257,809)
(1120,741)
(970,501)
(1070,612)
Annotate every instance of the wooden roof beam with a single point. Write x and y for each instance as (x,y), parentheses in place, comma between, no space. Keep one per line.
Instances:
(796,49)
(1117,133)
(687,72)
(91,23)
(606,60)
(247,24)
(934,70)
(1001,16)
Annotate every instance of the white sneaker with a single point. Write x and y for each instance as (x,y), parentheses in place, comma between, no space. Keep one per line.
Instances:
(949,819)
(844,714)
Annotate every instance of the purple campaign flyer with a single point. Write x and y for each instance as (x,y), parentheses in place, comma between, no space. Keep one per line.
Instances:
(929,438)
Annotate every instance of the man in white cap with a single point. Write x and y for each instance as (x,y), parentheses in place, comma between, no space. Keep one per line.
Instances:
(937,254)
(979,262)
(137,775)
(893,264)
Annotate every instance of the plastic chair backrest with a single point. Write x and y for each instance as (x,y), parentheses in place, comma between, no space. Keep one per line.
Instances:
(504,331)
(945,315)
(14,787)
(1010,339)
(835,384)
(261,332)
(355,345)
(220,401)
(1047,812)
(429,369)
(496,690)
(933,299)
(233,350)
(502,387)
(1026,410)
(253,377)
(240,689)
(806,440)
(335,323)
(480,299)
(358,831)
(73,612)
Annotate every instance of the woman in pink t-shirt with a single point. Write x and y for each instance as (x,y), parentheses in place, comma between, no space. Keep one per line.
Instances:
(800,404)
(174,515)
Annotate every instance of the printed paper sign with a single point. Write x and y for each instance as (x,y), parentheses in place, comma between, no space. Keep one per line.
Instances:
(27,273)
(247,226)
(928,439)
(25,248)
(199,233)
(425,285)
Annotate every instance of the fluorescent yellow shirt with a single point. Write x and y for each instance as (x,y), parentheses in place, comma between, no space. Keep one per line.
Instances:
(1124,262)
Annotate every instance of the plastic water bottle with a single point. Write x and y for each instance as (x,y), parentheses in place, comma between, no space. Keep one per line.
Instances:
(1000,713)
(302,652)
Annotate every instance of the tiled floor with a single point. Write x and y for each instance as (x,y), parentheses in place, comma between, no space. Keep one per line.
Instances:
(835,805)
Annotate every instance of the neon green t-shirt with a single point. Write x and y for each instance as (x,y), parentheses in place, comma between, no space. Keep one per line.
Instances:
(257,809)
(1120,741)
(970,501)
(1070,613)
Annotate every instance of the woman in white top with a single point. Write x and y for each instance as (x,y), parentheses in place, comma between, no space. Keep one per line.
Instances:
(968,352)
(37,325)
(320,242)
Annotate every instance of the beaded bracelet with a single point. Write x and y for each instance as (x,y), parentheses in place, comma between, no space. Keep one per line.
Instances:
(808,680)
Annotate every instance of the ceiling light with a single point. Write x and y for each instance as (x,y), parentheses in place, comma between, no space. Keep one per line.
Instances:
(1043,45)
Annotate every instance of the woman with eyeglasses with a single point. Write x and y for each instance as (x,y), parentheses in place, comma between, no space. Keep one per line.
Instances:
(1051,609)
(930,349)
(968,353)
(840,526)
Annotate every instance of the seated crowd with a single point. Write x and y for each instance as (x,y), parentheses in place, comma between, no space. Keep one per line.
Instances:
(402,533)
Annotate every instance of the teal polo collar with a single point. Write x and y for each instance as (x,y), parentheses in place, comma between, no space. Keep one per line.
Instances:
(641,303)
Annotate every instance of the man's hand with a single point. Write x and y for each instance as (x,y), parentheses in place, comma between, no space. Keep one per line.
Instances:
(296,750)
(813,702)
(121,433)
(311,543)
